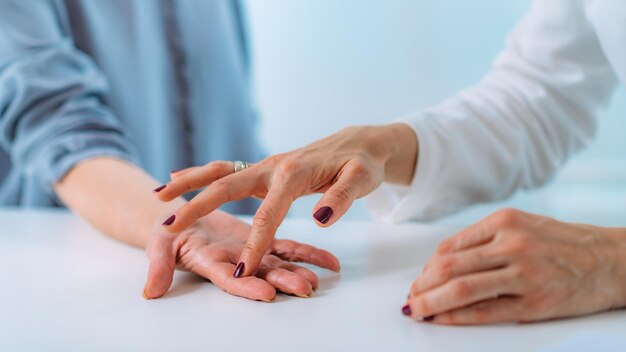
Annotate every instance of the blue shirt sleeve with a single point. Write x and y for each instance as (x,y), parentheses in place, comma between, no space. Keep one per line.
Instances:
(52,96)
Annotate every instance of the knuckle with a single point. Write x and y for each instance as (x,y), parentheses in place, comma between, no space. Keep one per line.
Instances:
(533,307)
(251,246)
(223,186)
(524,279)
(302,286)
(518,243)
(342,194)
(290,166)
(264,217)
(223,183)
(445,246)
(361,170)
(445,269)
(421,305)
(482,313)
(461,289)
(507,217)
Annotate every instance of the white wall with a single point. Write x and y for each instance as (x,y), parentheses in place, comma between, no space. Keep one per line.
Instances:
(324,64)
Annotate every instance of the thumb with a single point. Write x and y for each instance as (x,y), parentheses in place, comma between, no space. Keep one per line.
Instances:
(355,181)
(162,258)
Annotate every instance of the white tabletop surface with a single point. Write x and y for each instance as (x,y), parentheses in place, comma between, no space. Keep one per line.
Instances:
(65,287)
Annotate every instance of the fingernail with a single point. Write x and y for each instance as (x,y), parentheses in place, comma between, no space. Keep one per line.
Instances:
(429,318)
(239,270)
(406,310)
(174,171)
(144,295)
(158,189)
(169,220)
(323,214)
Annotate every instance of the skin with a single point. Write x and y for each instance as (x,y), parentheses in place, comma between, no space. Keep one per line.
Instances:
(345,166)
(116,198)
(509,267)
(516,266)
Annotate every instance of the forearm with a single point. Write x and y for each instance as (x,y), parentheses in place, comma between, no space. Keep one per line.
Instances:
(116,197)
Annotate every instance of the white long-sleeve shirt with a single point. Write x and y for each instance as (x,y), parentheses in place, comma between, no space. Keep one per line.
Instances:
(538,105)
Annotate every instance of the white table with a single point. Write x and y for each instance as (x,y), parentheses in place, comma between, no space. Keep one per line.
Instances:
(64,287)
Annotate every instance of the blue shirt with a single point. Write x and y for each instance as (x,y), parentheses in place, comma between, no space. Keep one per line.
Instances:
(163,84)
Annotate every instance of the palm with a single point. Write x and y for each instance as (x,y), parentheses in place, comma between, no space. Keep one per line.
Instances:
(211,247)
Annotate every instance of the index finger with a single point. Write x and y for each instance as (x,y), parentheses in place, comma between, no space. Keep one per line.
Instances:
(268,217)
(192,179)
(227,189)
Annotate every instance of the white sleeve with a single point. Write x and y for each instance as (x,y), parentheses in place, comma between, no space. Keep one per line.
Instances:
(537,106)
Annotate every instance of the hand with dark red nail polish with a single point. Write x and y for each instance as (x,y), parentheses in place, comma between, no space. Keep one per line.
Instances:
(344,167)
(241,267)
(207,248)
(323,215)
(169,220)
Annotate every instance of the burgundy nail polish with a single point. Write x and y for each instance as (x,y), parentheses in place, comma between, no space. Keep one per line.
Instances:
(159,189)
(169,220)
(429,318)
(406,310)
(323,214)
(240,269)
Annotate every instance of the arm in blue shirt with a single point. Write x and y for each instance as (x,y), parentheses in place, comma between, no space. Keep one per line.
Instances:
(52,113)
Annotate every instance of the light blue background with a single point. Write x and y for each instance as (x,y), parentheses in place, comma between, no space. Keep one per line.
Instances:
(321,65)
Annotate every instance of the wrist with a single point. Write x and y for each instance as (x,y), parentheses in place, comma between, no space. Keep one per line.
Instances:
(402,160)
(618,236)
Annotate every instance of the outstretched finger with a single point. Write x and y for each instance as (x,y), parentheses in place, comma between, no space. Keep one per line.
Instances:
(193,179)
(227,189)
(355,181)
(268,217)
(447,267)
(162,257)
(498,310)
(463,291)
(177,173)
(219,269)
(285,280)
(304,253)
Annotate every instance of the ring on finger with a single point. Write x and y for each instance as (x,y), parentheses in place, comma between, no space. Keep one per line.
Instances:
(240,165)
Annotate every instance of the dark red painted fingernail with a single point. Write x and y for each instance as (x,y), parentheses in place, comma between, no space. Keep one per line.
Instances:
(406,310)
(159,189)
(323,214)
(169,220)
(429,318)
(240,269)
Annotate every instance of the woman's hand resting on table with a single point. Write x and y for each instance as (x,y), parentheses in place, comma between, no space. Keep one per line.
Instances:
(345,166)
(515,266)
(210,248)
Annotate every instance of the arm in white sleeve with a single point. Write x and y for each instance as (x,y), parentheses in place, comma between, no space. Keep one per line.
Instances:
(513,130)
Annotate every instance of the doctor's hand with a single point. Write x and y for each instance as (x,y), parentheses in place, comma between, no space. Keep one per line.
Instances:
(211,246)
(515,266)
(344,166)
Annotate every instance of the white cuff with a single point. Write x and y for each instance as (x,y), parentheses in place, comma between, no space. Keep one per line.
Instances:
(394,203)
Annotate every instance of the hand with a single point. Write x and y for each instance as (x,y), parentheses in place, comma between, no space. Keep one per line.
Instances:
(514,266)
(209,248)
(345,166)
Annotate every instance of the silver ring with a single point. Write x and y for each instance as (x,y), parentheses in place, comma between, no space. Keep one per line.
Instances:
(240,165)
